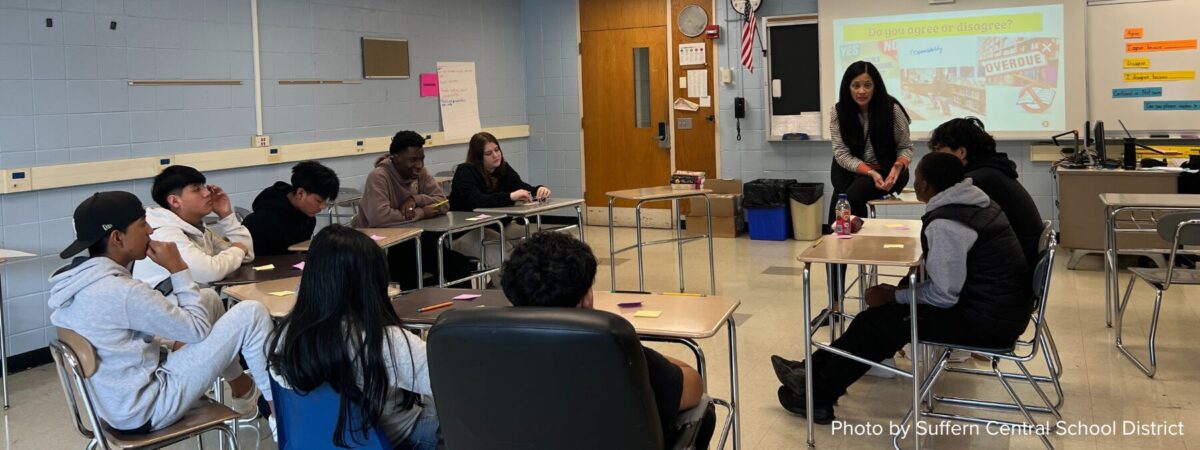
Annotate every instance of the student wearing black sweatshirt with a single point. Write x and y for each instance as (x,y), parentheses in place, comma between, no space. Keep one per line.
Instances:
(995,175)
(486,180)
(286,214)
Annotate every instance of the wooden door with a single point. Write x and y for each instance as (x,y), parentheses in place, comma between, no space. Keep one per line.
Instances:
(695,131)
(624,77)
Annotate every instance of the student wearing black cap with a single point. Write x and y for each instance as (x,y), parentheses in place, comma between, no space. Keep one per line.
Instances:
(125,319)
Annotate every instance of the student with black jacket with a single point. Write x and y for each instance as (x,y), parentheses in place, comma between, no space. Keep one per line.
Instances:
(285,214)
(486,180)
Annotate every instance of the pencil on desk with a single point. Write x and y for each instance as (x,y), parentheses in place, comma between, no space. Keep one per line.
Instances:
(438,204)
(433,307)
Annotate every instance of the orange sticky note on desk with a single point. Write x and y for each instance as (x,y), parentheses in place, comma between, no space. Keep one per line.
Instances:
(648,314)
(1133,33)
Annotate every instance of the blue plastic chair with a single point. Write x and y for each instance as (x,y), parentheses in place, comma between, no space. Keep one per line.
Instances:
(306,421)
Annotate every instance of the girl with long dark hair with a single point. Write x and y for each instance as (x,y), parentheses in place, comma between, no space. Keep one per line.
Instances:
(343,332)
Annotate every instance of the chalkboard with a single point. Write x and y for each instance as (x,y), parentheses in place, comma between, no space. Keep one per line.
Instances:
(793,76)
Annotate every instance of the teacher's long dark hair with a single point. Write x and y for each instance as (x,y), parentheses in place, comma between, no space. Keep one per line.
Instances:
(337,330)
(880,116)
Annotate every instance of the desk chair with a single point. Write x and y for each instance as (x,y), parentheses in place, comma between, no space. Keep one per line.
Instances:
(543,378)
(1030,351)
(347,198)
(1179,229)
(76,361)
(308,420)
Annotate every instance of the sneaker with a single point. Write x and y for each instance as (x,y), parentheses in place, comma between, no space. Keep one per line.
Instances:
(247,405)
(880,373)
(794,404)
(784,367)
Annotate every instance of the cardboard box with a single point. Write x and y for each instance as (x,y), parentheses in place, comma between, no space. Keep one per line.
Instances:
(726,199)
(724,227)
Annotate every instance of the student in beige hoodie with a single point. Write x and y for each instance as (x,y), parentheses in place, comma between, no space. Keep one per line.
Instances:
(211,253)
(399,191)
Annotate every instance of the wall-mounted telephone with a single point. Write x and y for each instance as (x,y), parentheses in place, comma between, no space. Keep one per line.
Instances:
(739,113)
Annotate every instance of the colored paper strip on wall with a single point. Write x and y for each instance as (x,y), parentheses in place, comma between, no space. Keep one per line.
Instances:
(1137,63)
(1137,92)
(1166,105)
(1164,75)
(1161,46)
(1133,33)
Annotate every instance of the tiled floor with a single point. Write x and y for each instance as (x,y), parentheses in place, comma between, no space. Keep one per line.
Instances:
(1101,386)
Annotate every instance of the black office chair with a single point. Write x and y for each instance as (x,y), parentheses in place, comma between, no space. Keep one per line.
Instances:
(540,378)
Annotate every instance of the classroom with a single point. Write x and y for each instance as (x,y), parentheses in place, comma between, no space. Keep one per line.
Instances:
(599,224)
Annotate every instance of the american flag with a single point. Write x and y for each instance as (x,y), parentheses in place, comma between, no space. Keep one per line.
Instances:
(748,32)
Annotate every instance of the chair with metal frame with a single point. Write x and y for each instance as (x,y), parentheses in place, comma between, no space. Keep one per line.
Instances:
(76,361)
(1041,289)
(347,198)
(1180,229)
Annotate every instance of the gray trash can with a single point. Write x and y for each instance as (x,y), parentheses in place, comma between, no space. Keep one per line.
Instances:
(807,211)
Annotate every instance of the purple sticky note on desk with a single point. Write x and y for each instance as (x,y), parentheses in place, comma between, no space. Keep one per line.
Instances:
(629,304)
(299,265)
(467,297)
(376,237)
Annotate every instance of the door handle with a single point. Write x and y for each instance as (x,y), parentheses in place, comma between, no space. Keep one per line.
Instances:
(664,138)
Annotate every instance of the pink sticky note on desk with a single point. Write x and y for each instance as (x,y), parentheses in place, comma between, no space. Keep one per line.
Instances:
(299,265)
(429,85)
(466,297)
(376,237)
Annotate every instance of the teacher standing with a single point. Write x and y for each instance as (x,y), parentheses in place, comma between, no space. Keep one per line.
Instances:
(871,146)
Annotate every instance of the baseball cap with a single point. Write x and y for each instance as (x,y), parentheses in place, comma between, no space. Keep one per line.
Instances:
(99,214)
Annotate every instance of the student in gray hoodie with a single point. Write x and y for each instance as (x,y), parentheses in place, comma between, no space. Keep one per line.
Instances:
(125,319)
(976,292)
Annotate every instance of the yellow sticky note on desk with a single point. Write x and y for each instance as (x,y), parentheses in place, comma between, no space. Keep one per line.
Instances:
(895,225)
(281,293)
(648,314)
(893,245)
(266,267)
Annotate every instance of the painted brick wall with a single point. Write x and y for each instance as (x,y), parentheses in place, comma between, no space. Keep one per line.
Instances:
(552,90)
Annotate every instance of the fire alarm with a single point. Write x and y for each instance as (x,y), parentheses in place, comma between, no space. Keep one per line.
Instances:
(712,31)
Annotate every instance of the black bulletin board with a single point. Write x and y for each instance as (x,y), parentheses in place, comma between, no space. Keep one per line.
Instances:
(796,63)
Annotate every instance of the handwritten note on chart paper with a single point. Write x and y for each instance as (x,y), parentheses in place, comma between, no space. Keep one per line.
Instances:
(459,99)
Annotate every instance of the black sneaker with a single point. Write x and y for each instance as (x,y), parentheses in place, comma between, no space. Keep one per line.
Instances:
(785,367)
(792,403)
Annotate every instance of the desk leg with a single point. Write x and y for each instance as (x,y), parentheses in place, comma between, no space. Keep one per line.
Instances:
(612,254)
(637,215)
(441,260)
(504,242)
(579,217)
(3,349)
(712,270)
(678,242)
(420,265)
(539,220)
(916,360)
(736,405)
(808,381)
(1108,266)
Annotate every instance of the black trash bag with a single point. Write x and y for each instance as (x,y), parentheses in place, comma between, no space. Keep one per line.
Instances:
(807,193)
(766,193)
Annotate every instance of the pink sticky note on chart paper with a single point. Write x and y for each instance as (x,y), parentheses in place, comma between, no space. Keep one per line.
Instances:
(429,85)
(376,237)
(467,297)
(299,265)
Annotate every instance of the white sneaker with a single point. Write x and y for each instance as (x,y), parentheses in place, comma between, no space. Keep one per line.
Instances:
(880,373)
(246,405)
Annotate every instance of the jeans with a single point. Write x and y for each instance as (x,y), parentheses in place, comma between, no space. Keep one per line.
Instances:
(425,435)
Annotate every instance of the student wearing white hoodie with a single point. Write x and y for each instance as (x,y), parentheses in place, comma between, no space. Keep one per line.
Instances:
(137,391)
(185,200)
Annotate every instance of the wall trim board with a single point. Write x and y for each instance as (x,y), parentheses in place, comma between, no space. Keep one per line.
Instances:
(81,174)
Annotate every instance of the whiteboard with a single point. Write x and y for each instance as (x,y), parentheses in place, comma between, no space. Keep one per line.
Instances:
(1164,20)
(459,99)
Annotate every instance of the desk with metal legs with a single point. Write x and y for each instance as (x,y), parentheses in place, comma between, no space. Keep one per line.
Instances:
(659,194)
(457,222)
(1128,206)
(536,209)
(5,257)
(888,251)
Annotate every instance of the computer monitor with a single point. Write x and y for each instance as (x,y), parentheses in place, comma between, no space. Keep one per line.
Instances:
(1101,152)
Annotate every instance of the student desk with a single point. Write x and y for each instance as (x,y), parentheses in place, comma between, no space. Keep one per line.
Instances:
(277,305)
(5,257)
(536,209)
(1079,203)
(1128,206)
(391,237)
(246,273)
(684,319)
(457,222)
(660,194)
(906,198)
(861,250)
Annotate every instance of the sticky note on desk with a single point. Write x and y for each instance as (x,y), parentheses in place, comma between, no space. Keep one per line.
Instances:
(897,226)
(479,217)
(266,267)
(299,265)
(376,237)
(281,293)
(648,314)
(466,297)
(893,245)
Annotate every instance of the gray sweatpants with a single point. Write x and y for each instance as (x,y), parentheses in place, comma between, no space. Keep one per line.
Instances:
(188,373)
